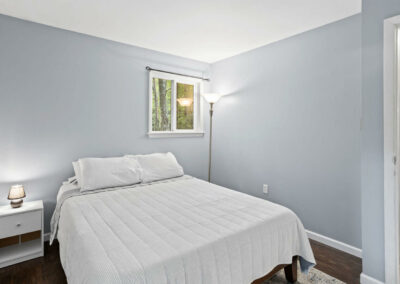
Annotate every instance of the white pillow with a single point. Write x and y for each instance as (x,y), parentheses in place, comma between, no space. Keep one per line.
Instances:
(77,171)
(96,173)
(158,166)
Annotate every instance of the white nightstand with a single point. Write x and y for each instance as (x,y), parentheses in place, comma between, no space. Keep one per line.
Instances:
(21,232)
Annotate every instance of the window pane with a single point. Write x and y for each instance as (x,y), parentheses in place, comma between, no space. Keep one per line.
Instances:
(161,104)
(184,106)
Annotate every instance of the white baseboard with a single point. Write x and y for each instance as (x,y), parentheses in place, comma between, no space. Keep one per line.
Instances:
(46,237)
(365,279)
(335,244)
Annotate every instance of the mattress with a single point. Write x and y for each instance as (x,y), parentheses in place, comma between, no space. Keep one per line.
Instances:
(182,230)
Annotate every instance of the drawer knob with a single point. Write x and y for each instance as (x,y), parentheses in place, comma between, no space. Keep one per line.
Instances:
(18,224)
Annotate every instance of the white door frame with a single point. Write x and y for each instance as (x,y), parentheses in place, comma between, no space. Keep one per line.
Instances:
(391,151)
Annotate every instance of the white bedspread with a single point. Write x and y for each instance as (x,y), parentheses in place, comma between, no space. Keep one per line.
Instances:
(182,230)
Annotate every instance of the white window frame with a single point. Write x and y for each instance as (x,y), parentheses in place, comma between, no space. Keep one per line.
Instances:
(198,129)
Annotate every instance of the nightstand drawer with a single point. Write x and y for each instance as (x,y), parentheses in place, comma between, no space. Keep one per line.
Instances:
(20,223)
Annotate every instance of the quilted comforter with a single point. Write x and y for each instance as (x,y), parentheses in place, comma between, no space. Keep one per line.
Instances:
(182,230)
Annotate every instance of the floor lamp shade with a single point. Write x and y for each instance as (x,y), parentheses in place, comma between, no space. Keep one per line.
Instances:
(211,98)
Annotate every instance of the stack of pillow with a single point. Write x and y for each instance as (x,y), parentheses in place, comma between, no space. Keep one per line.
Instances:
(97,173)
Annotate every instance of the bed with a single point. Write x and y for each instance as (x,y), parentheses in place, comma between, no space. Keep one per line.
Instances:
(179,230)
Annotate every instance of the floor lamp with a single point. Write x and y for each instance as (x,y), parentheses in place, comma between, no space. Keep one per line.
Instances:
(211,98)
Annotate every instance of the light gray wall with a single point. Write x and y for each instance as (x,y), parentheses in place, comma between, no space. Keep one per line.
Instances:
(292,120)
(64,95)
(373,14)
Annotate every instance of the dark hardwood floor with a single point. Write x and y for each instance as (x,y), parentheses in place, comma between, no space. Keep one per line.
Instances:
(336,263)
(48,269)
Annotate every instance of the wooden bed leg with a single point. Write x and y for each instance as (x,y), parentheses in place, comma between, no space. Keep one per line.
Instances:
(291,271)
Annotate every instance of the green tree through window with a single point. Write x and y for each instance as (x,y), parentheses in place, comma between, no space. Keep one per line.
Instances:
(184,112)
(161,104)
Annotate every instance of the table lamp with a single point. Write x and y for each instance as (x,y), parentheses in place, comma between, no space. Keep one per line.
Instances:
(16,194)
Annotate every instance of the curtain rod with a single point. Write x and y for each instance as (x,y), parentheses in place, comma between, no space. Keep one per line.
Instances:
(148,68)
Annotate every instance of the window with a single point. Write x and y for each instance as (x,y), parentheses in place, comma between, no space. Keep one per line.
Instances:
(175,105)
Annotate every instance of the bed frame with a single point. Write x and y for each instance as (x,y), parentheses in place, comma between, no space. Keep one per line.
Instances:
(290,272)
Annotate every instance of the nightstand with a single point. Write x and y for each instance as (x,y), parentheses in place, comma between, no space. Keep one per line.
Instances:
(21,232)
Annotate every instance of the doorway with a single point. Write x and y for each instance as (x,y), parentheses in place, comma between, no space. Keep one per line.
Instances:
(391,118)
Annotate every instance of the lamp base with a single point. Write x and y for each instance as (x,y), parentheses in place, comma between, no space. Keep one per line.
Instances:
(16,203)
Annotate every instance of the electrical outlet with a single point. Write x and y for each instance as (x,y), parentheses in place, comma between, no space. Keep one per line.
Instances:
(265,188)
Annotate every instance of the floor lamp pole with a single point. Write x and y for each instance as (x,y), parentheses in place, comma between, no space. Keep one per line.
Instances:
(209,148)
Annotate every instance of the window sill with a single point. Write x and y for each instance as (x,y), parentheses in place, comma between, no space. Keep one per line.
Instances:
(166,134)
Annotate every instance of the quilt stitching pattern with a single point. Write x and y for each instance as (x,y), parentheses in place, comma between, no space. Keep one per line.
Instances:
(172,227)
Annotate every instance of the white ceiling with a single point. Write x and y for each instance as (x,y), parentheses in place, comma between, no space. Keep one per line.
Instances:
(205,30)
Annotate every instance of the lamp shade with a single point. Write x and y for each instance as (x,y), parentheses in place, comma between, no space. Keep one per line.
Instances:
(212,98)
(16,192)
